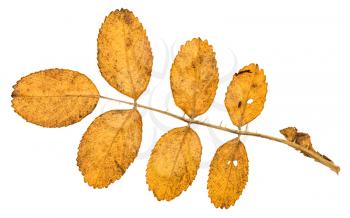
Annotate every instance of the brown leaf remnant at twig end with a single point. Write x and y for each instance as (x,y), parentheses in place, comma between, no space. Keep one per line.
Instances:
(302,139)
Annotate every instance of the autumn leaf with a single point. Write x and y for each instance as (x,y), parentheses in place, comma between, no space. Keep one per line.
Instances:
(54,97)
(228,174)
(109,146)
(246,94)
(124,53)
(194,77)
(60,97)
(174,163)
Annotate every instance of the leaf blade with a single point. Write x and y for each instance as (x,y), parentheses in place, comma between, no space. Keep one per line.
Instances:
(174,162)
(194,77)
(54,97)
(124,53)
(226,180)
(249,84)
(109,146)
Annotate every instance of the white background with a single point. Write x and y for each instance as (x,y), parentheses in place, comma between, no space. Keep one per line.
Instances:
(302,45)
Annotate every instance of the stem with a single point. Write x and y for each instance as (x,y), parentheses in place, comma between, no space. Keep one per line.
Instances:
(312,154)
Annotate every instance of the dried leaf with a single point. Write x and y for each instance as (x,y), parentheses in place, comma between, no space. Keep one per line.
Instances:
(54,97)
(290,133)
(194,77)
(109,146)
(246,94)
(174,163)
(302,139)
(124,53)
(228,174)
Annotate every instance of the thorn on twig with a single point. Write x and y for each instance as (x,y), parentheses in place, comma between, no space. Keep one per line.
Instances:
(239,135)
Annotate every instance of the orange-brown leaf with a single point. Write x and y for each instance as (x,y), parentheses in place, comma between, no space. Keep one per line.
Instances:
(304,140)
(228,174)
(109,146)
(300,138)
(124,53)
(194,77)
(246,94)
(290,133)
(54,97)
(174,163)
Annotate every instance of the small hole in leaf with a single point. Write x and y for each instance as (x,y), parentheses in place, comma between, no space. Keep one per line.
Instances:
(235,163)
(250,101)
(228,162)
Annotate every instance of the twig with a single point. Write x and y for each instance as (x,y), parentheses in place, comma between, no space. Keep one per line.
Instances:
(312,154)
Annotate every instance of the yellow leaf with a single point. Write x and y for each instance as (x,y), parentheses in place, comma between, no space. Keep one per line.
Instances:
(124,53)
(194,77)
(54,97)
(174,163)
(246,94)
(228,174)
(109,146)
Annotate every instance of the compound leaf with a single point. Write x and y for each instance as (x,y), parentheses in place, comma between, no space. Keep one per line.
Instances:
(246,94)
(124,53)
(174,163)
(194,77)
(54,97)
(228,174)
(109,146)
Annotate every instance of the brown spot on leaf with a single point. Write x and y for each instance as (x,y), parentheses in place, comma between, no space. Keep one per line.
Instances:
(127,18)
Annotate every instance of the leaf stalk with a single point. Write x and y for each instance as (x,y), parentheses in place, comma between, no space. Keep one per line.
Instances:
(312,154)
